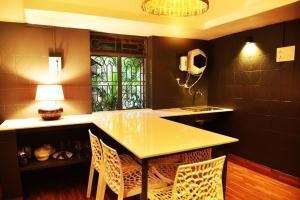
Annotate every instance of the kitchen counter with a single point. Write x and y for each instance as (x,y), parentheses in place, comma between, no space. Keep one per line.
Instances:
(14,124)
(142,131)
(172,112)
(146,135)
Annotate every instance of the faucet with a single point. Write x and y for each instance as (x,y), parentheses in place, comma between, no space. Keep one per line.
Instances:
(198,92)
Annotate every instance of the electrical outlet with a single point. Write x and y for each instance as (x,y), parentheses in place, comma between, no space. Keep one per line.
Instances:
(285,54)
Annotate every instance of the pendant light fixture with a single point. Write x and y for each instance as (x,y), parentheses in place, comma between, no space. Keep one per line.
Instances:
(175,8)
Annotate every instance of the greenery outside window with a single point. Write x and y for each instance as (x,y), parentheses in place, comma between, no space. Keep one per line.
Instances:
(118,78)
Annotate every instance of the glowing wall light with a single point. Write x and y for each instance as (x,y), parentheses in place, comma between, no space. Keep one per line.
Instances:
(250,48)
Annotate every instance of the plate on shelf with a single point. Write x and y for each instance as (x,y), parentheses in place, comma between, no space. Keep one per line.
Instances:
(62,155)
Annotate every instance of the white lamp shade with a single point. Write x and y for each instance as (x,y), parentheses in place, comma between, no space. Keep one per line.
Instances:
(49,93)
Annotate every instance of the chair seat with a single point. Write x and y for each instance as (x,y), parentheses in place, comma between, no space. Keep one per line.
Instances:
(164,193)
(126,160)
(195,181)
(196,156)
(124,175)
(177,158)
(165,168)
(133,180)
(165,171)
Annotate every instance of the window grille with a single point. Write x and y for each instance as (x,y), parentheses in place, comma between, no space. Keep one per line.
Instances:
(118,73)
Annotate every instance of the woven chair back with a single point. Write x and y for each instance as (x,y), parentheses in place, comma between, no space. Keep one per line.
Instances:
(96,151)
(112,169)
(199,181)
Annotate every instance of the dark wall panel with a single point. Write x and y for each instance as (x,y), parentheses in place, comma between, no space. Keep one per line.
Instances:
(264,94)
(164,61)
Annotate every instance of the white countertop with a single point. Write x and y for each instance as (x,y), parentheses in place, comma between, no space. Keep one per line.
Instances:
(147,135)
(14,124)
(172,112)
(141,131)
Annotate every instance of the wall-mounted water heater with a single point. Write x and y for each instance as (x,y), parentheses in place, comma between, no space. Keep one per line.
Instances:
(193,60)
(194,65)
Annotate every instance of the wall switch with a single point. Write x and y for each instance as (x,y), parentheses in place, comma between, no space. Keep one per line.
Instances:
(285,54)
(54,64)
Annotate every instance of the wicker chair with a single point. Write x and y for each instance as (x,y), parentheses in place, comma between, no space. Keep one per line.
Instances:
(96,164)
(124,180)
(165,168)
(201,181)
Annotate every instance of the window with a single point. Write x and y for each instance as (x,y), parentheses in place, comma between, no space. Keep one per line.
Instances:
(118,73)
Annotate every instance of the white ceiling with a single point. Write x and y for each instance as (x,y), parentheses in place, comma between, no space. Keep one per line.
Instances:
(126,17)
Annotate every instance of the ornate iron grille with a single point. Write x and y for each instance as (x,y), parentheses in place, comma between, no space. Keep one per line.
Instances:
(109,91)
(118,72)
(104,82)
(133,82)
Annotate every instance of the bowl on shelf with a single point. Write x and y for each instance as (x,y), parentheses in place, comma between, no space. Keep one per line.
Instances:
(62,155)
(43,153)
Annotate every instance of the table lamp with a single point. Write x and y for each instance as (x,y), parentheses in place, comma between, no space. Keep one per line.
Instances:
(48,95)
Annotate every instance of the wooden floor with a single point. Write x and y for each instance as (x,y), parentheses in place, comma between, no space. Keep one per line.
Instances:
(242,184)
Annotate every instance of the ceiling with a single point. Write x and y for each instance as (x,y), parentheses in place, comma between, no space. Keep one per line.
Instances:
(126,16)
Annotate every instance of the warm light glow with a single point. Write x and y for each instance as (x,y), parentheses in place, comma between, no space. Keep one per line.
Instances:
(126,17)
(49,93)
(12,11)
(249,49)
(250,54)
(178,8)
(109,25)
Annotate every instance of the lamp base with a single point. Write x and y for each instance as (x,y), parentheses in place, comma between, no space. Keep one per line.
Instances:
(50,114)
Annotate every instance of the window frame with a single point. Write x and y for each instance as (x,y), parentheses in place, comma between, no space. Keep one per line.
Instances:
(119,56)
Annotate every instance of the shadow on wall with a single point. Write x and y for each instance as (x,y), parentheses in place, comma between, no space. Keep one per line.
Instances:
(24,64)
(164,57)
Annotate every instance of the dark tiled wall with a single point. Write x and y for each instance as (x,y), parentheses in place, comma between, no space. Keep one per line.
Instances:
(163,56)
(264,94)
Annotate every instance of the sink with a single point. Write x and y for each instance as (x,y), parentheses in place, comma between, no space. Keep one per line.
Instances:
(201,108)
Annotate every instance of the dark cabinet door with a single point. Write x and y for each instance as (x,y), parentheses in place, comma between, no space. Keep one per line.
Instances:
(10,179)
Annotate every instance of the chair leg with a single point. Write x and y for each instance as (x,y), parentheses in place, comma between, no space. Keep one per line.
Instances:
(121,195)
(91,176)
(101,186)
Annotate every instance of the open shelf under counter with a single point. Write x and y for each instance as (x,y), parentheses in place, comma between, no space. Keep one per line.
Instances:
(51,163)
